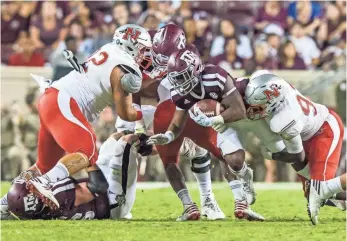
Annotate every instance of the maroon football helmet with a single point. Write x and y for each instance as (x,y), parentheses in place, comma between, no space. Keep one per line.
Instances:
(184,68)
(22,203)
(166,40)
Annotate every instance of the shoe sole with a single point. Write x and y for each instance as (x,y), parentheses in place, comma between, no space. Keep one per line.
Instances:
(51,202)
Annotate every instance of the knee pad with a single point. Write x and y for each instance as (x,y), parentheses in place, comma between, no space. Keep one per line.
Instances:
(97,183)
(201,164)
(187,150)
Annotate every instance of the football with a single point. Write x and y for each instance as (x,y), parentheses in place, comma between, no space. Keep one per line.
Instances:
(209,107)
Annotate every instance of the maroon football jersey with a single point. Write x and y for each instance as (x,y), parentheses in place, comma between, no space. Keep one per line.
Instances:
(64,192)
(211,86)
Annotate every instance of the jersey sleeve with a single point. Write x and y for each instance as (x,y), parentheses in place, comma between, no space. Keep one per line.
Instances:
(181,102)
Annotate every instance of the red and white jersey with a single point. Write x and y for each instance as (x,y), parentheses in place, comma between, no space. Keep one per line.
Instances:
(297,115)
(92,90)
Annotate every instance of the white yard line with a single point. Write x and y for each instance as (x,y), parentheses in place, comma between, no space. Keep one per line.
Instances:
(221,185)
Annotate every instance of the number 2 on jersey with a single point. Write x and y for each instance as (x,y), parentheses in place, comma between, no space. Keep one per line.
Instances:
(306,105)
(98,58)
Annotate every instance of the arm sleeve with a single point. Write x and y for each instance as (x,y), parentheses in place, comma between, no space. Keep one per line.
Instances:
(294,145)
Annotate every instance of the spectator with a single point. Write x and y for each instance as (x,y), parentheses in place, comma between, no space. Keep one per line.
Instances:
(120,14)
(13,24)
(227,29)
(203,35)
(229,60)
(262,57)
(336,23)
(26,55)
(84,43)
(272,13)
(334,57)
(289,59)
(46,30)
(304,45)
(274,43)
(151,22)
(61,66)
(307,14)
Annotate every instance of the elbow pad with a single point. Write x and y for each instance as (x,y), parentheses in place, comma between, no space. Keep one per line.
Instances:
(131,83)
(97,183)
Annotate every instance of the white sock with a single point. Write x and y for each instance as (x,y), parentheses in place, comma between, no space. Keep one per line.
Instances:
(204,181)
(331,187)
(4,200)
(243,173)
(305,172)
(57,173)
(237,189)
(184,196)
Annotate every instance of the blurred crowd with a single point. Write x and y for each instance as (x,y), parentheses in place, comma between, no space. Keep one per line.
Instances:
(236,35)
(246,35)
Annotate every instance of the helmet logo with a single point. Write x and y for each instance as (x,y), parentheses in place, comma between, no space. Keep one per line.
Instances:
(30,202)
(130,33)
(181,41)
(189,57)
(272,92)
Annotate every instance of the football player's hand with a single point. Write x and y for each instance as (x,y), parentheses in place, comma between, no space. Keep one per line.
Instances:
(219,127)
(199,117)
(161,139)
(140,127)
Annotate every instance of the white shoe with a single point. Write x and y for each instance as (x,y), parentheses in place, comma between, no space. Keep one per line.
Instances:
(40,187)
(128,216)
(340,204)
(210,208)
(191,212)
(248,188)
(243,211)
(314,200)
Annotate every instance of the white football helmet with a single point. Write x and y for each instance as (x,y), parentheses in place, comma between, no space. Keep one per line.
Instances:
(134,40)
(264,94)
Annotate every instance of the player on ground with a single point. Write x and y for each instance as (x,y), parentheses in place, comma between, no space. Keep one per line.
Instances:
(191,81)
(109,77)
(311,132)
(117,160)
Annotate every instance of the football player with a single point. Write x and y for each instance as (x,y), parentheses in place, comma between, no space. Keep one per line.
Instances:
(109,77)
(311,132)
(191,81)
(117,160)
(166,40)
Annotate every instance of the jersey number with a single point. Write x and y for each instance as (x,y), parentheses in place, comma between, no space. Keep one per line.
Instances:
(306,105)
(98,58)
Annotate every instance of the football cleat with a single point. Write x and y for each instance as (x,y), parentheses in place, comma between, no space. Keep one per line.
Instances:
(247,183)
(243,211)
(314,200)
(40,187)
(128,216)
(210,208)
(191,212)
(340,204)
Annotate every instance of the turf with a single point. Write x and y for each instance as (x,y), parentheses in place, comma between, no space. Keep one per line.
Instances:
(155,211)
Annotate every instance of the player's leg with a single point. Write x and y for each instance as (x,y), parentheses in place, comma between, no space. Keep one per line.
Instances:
(72,132)
(200,165)
(169,156)
(122,174)
(323,154)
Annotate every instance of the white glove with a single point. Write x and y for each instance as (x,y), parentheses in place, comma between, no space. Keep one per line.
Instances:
(140,127)
(265,152)
(161,139)
(219,127)
(199,117)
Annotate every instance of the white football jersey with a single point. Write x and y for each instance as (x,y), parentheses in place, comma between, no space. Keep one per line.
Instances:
(297,115)
(92,90)
(272,141)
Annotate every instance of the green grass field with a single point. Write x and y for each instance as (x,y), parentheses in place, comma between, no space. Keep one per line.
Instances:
(155,212)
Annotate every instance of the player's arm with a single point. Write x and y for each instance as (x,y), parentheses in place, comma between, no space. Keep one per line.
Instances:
(233,102)
(121,83)
(294,151)
(174,130)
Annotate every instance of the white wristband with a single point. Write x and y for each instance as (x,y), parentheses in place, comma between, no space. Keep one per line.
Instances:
(170,135)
